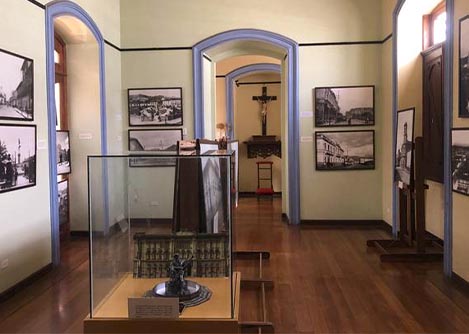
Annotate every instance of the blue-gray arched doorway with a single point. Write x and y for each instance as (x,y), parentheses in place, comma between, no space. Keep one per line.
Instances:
(290,49)
(54,10)
(448,112)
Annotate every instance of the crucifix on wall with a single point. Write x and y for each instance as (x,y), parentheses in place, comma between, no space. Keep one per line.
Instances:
(263,100)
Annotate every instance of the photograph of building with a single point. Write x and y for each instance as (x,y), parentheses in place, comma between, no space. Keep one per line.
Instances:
(158,106)
(404,146)
(17,157)
(16,87)
(154,140)
(460,160)
(344,106)
(345,150)
(63,153)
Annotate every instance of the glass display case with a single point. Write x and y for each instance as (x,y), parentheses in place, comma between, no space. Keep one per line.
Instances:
(160,229)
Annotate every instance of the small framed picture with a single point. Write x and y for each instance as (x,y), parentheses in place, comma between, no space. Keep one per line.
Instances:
(63,199)
(155,106)
(460,160)
(344,106)
(345,150)
(17,157)
(64,165)
(464,67)
(16,87)
(405,145)
(163,141)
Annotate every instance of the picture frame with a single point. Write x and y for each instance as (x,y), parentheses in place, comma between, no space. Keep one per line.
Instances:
(464,67)
(18,152)
(155,106)
(16,87)
(64,164)
(460,160)
(345,150)
(163,141)
(404,148)
(344,106)
(63,201)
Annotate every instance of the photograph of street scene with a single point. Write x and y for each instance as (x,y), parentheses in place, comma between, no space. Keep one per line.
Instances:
(155,106)
(344,106)
(345,150)
(16,87)
(404,145)
(460,160)
(154,140)
(63,153)
(17,157)
(464,68)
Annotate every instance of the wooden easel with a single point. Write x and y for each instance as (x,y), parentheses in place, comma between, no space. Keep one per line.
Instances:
(412,244)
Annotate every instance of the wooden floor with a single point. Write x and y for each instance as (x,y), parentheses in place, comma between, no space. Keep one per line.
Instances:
(326,281)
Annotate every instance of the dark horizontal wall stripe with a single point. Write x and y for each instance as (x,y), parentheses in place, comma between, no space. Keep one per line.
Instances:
(170,48)
(112,45)
(221,76)
(175,48)
(38,4)
(258,83)
(388,38)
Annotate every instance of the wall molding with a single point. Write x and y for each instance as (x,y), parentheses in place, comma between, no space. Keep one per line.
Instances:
(460,282)
(185,48)
(37,4)
(340,223)
(18,287)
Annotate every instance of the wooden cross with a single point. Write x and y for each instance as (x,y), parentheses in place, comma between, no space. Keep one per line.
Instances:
(264,99)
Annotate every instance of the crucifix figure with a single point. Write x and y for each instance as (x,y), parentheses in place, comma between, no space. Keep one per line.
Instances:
(263,100)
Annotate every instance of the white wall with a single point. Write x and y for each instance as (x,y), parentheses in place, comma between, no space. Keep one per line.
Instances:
(172,23)
(25,239)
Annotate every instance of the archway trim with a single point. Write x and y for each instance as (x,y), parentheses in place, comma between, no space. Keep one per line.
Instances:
(230,82)
(55,9)
(292,66)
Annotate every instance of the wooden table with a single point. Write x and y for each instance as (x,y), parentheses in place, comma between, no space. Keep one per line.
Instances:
(213,316)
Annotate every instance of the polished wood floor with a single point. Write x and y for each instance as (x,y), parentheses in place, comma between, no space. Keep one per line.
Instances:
(326,281)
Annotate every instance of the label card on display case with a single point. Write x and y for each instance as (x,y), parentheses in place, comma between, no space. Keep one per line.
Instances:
(145,308)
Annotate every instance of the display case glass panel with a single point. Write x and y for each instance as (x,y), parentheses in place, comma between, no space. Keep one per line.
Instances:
(160,226)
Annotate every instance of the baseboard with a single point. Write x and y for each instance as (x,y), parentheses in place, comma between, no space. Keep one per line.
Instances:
(346,223)
(285,218)
(460,282)
(247,194)
(151,221)
(80,234)
(10,292)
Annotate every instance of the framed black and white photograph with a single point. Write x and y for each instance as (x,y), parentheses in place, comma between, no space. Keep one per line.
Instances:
(344,106)
(460,160)
(345,150)
(63,199)
(161,140)
(64,165)
(17,156)
(155,106)
(16,87)
(464,67)
(404,145)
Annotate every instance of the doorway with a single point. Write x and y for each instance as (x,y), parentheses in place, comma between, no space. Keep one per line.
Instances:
(76,100)
(254,42)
